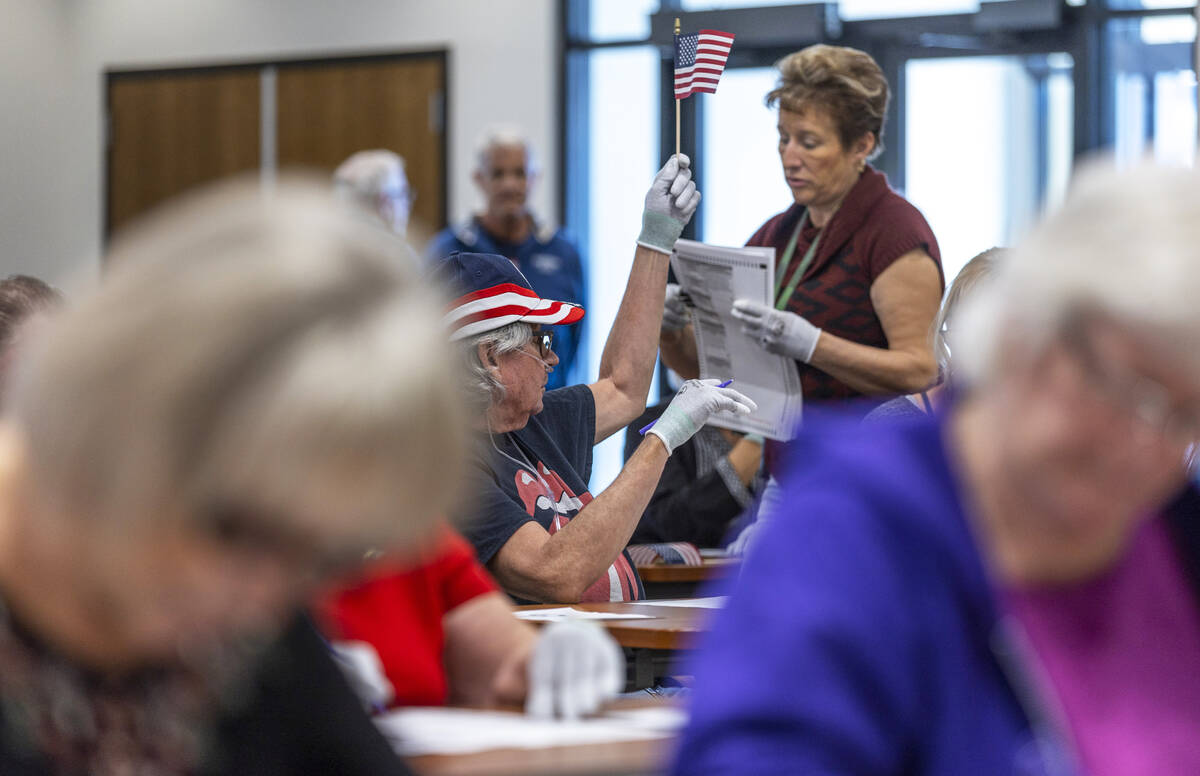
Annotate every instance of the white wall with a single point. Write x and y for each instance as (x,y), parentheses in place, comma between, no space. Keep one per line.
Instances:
(53,53)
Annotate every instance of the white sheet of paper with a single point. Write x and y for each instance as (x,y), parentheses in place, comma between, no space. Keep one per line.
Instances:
(714,277)
(667,719)
(712,602)
(570,613)
(418,731)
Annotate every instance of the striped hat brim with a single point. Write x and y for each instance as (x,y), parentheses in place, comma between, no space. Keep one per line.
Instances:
(497,306)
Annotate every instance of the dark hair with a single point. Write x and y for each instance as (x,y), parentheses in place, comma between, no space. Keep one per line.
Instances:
(844,81)
(21,296)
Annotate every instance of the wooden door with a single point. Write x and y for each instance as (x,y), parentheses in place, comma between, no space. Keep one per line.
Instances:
(328,110)
(169,131)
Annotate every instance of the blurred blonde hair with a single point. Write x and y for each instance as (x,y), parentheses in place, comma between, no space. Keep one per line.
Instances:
(844,81)
(1125,245)
(270,355)
(968,279)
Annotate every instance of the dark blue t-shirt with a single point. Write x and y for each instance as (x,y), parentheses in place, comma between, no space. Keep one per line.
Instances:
(550,262)
(543,479)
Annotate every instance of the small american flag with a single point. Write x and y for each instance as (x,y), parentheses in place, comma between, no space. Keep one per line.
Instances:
(699,60)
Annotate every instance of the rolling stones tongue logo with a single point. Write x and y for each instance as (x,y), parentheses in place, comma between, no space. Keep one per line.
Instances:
(548,500)
(549,494)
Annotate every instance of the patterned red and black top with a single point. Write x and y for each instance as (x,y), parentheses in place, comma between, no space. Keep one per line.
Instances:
(873,227)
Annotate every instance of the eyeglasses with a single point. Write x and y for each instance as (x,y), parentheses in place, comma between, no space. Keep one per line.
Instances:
(545,342)
(1147,401)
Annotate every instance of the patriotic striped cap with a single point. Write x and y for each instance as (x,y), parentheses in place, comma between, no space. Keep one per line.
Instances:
(495,294)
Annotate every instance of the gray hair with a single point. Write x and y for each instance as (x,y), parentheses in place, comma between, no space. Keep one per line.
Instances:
(273,357)
(482,386)
(503,137)
(363,177)
(1125,245)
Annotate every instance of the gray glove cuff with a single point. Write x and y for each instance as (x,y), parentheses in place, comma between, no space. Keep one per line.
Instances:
(659,232)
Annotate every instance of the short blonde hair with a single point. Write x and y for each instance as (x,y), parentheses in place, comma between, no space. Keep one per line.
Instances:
(844,81)
(966,282)
(274,357)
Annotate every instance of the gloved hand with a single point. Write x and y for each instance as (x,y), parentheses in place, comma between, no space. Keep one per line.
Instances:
(670,202)
(575,666)
(770,503)
(694,403)
(778,331)
(676,314)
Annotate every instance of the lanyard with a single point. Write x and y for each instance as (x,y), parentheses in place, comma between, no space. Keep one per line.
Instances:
(782,297)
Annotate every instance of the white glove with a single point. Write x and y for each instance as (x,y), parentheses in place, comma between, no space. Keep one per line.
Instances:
(769,504)
(364,673)
(575,666)
(778,331)
(694,403)
(676,314)
(670,202)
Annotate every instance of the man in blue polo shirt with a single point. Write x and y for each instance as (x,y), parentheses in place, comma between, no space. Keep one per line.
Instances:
(505,171)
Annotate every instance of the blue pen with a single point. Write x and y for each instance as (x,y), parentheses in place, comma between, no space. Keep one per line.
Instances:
(650,425)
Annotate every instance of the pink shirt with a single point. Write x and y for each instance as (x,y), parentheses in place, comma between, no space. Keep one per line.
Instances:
(1122,653)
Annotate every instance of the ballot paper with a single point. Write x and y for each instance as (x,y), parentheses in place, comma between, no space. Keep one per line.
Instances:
(712,602)
(714,277)
(562,613)
(419,731)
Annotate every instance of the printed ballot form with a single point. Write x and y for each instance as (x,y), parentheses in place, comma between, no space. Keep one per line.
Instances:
(714,277)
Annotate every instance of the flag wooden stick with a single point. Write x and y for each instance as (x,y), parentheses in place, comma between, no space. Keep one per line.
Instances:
(676,99)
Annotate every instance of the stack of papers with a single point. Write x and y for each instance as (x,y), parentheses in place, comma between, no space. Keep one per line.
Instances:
(570,613)
(420,731)
(712,602)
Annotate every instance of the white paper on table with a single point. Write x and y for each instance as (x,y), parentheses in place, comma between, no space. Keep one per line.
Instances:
(418,731)
(714,277)
(712,602)
(562,613)
(713,552)
(667,719)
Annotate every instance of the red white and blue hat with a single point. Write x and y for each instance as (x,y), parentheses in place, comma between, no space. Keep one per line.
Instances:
(495,294)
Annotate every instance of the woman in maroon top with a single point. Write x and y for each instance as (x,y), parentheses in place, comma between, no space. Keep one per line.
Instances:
(858,270)
(858,273)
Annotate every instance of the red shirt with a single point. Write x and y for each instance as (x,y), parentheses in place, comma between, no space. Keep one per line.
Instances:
(398,610)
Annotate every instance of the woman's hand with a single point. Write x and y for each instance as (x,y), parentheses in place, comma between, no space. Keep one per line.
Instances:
(777,331)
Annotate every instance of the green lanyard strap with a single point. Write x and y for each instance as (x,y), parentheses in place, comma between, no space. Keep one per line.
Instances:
(783,296)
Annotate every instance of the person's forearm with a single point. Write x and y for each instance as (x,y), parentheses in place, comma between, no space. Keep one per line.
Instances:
(678,350)
(632,345)
(871,370)
(582,550)
(745,458)
(485,652)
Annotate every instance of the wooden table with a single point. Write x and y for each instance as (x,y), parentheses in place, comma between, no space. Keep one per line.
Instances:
(632,758)
(663,580)
(651,641)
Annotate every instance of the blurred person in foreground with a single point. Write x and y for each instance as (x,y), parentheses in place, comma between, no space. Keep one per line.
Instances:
(226,421)
(436,630)
(532,521)
(22,299)
(1009,585)
(506,170)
